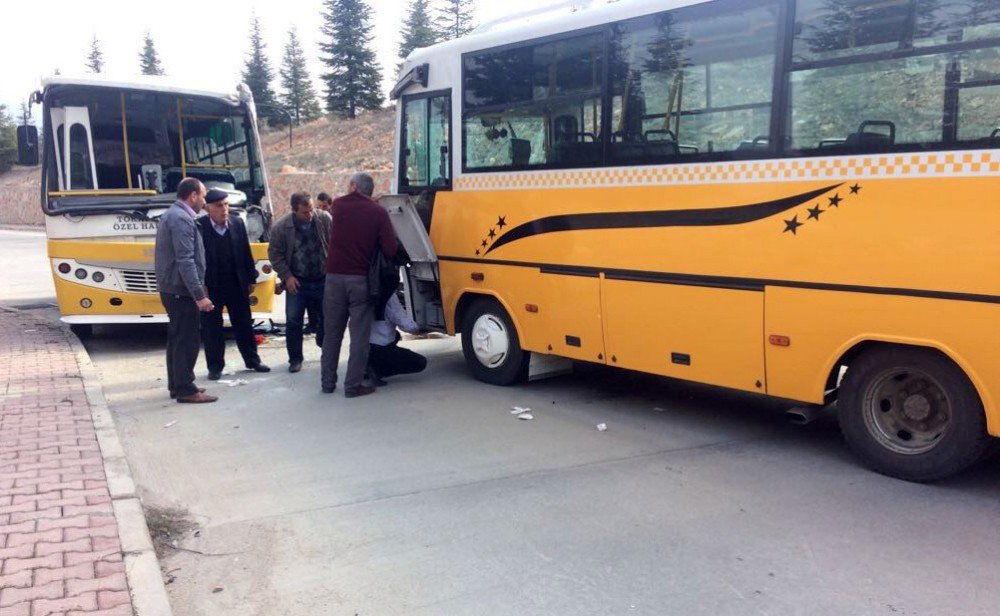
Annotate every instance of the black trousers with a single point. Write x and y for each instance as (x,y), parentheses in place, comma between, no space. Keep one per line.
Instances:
(236,301)
(182,343)
(392,359)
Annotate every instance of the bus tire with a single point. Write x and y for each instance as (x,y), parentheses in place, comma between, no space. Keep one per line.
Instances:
(911,414)
(82,330)
(491,345)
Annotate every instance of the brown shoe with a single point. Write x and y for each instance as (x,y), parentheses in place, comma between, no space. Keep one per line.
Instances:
(361,390)
(197,398)
(201,390)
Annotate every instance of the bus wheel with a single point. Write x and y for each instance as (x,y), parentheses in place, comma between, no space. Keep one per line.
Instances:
(491,346)
(911,414)
(82,330)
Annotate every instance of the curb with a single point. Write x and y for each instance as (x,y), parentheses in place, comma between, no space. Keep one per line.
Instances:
(142,569)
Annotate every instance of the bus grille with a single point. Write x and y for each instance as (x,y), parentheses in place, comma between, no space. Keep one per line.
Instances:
(138,281)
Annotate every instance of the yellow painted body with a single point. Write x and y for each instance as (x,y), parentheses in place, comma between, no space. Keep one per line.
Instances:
(69,294)
(905,229)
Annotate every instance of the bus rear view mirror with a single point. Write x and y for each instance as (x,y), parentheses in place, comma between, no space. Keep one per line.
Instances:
(27,145)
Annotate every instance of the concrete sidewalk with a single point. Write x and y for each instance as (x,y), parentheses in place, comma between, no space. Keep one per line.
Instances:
(62,522)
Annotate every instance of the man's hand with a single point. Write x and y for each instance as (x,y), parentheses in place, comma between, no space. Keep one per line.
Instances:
(292,285)
(205,305)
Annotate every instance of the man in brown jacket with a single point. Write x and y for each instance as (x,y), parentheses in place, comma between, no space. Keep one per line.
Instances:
(297,250)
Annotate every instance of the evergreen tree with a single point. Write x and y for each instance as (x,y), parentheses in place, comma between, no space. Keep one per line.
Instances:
(298,97)
(354,79)
(455,19)
(149,60)
(95,59)
(257,72)
(418,31)
(8,140)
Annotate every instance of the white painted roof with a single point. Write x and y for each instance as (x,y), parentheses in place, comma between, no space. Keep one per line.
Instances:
(154,83)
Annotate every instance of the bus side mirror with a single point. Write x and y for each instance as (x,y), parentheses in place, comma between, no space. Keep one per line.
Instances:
(27,145)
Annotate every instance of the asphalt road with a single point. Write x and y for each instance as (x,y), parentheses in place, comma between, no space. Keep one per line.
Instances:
(431,498)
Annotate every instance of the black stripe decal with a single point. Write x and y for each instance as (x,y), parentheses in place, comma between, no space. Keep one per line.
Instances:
(727,282)
(704,217)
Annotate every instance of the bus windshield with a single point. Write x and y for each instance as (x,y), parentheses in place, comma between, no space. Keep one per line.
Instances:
(129,148)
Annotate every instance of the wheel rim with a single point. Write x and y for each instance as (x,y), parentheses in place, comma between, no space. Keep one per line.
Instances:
(907,411)
(490,340)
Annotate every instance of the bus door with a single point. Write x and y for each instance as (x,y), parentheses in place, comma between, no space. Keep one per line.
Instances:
(421,282)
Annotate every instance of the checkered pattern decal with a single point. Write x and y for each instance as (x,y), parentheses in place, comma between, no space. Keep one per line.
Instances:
(941,164)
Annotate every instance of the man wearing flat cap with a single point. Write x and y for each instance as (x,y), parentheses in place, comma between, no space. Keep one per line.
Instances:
(230,276)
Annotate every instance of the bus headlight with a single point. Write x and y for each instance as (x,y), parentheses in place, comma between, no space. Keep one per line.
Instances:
(80,273)
(86,303)
(98,277)
(64,268)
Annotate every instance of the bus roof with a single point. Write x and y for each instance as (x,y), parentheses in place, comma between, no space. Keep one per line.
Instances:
(153,83)
(539,25)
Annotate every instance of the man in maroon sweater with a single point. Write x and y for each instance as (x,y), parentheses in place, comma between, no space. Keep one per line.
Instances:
(360,225)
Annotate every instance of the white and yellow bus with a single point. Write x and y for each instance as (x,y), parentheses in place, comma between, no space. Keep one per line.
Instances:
(795,198)
(114,152)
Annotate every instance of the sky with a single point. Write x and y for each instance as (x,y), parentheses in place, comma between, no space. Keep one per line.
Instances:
(206,42)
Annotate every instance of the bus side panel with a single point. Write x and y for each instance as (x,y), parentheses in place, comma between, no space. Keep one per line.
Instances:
(822,325)
(567,321)
(695,333)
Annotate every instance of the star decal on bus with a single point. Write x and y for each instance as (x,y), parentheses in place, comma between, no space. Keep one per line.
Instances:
(792,225)
(815,211)
(701,217)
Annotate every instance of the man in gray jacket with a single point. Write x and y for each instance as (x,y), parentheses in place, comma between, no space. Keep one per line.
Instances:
(180,279)
(297,250)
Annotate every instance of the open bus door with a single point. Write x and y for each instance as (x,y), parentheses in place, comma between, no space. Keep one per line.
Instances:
(421,280)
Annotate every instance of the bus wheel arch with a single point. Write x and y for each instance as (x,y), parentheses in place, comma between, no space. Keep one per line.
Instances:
(490,340)
(910,411)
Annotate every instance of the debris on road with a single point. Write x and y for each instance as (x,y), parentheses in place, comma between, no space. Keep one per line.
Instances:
(601,427)
(659,409)
(517,410)
(525,416)
(233,382)
(217,589)
(170,424)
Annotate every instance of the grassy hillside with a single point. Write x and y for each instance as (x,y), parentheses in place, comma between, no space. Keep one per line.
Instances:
(323,155)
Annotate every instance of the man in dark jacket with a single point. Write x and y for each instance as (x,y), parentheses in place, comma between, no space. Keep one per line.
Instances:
(298,254)
(179,260)
(360,225)
(230,276)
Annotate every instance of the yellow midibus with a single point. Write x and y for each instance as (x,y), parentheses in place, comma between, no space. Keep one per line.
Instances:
(795,198)
(114,152)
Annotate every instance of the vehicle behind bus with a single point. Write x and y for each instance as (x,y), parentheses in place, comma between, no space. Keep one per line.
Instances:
(113,155)
(795,198)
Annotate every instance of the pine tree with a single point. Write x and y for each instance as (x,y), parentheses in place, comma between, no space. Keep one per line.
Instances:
(354,78)
(455,19)
(418,31)
(257,72)
(8,140)
(95,59)
(149,60)
(298,96)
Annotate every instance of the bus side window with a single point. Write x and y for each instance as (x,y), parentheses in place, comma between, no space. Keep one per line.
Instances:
(844,74)
(683,86)
(536,105)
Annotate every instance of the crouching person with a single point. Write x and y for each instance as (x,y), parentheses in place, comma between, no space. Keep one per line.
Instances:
(386,358)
